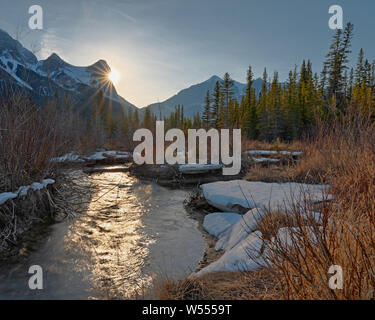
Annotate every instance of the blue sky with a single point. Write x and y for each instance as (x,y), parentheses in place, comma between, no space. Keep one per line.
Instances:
(162,46)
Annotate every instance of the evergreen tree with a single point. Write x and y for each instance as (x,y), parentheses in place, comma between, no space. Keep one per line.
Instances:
(206,115)
(215,118)
(337,58)
(227,96)
(250,111)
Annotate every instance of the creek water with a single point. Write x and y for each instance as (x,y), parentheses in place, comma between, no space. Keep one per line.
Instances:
(131,235)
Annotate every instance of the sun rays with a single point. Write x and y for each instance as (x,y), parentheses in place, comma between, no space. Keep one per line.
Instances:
(114,76)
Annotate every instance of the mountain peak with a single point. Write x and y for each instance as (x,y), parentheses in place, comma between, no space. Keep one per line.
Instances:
(54,57)
(100,66)
(215,78)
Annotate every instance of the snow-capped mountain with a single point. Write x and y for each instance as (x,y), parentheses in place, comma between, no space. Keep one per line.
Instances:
(21,70)
(193,97)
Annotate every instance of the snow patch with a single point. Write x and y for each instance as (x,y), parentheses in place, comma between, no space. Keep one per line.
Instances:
(240,230)
(245,256)
(272,152)
(69,157)
(22,191)
(219,222)
(259,160)
(5,196)
(101,155)
(236,195)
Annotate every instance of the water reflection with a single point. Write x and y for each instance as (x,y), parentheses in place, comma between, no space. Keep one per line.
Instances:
(131,232)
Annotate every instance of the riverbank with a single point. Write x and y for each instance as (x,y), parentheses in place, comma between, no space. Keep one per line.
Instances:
(37,210)
(295,252)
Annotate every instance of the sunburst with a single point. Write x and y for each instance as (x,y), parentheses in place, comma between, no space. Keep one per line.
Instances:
(114,76)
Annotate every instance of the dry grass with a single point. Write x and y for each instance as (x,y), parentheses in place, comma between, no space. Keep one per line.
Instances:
(255,285)
(346,234)
(30,135)
(333,148)
(276,146)
(343,155)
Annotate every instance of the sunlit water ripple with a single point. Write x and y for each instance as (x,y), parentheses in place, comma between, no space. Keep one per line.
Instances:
(131,233)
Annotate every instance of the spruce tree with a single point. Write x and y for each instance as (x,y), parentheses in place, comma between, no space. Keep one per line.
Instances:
(337,58)
(206,115)
(216,106)
(227,96)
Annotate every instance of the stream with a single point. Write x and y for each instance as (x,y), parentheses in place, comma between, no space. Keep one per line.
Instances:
(131,235)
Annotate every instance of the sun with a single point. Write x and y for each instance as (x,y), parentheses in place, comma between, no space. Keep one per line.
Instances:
(114,76)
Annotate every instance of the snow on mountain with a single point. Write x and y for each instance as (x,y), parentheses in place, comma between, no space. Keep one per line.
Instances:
(20,69)
(11,50)
(192,98)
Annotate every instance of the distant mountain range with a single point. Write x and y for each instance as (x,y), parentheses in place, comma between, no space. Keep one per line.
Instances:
(193,97)
(21,71)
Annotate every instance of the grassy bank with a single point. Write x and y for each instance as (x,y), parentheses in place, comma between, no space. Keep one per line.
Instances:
(341,154)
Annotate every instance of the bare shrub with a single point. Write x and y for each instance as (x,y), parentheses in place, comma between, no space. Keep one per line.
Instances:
(345,233)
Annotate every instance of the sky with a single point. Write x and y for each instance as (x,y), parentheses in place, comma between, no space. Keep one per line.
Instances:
(160,47)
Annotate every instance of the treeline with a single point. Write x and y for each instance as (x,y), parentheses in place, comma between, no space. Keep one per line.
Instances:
(290,110)
(285,111)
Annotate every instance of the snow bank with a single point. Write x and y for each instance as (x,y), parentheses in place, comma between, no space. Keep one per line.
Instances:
(39,186)
(240,230)
(271,152)
(238,235)
(219,222)
(4,197)
(259,160)
(261,152)
(237,195)
(294,153)
(22,191)
(244,256)
(99,155)
(69,157)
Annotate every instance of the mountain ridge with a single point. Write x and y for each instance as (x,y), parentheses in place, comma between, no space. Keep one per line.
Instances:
(21,70)
(192,97)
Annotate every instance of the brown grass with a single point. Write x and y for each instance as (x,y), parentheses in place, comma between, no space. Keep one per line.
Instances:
(343,155)
(276,146)
(346,234)
(30,135)
(255,285)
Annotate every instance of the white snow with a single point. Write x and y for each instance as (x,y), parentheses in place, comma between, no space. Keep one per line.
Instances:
(242,242)
(284,237)
(240,230)
(294,153)
(198,168)
(244,256)
(39,186)
(12,71)
(230,195)
(265,160)
(272,152)
(101,155)
(219,222)
(69,157)
(5,196)
(22,191)
(261,152)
